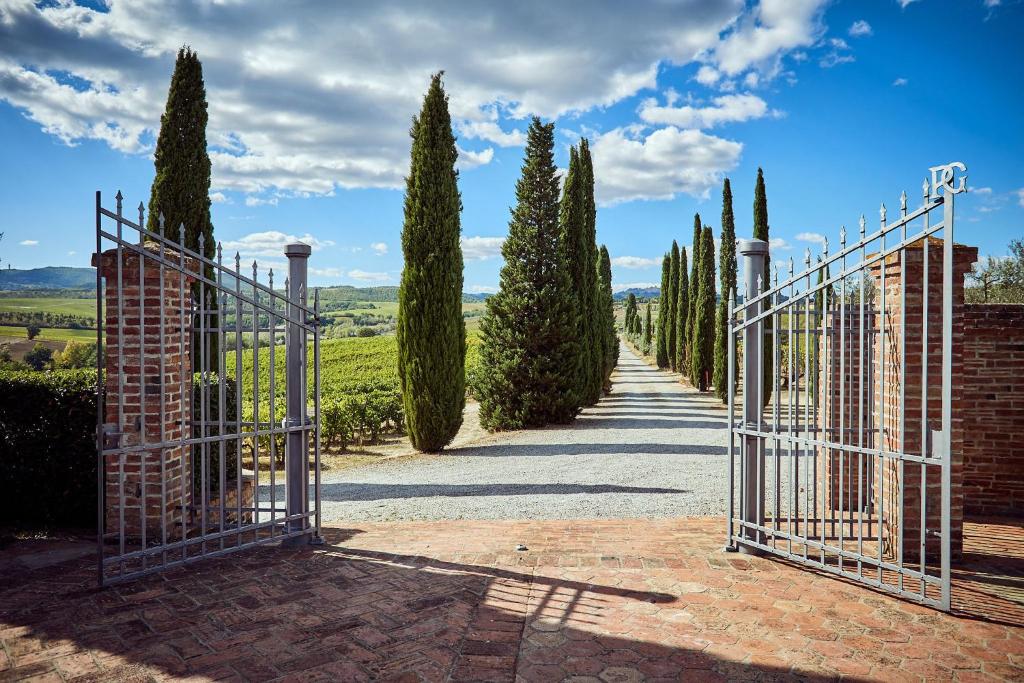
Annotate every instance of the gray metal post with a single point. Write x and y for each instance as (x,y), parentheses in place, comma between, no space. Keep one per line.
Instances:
(297,450)
(752,496)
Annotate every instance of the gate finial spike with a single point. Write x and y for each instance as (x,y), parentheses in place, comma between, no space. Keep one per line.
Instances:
(791,266)
(881,212)
(270,276)
(807,257)
(903,201)
(160,223)
(926,189)
(824,246)
(141,214)
(120,199)
(238,262)
(181,234)
(842,236)
(202,243)
(220,252)
(863,226)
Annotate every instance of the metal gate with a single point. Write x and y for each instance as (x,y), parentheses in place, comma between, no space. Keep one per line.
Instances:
(840,454)
(205,393)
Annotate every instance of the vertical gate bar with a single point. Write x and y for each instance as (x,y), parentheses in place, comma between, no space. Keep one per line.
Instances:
(238,398)
(297,454)
(947,391)
(925,436)
(101,508)
(222,454)
(794,388)
(143,455)
(317,538)
(163,398)
(186,398)
(776,358)
(272,324)
(861,371)
(882,398)
(902,426)
(808,435)
(844,480)
(761,288)
(120,383)
(825,405)
(729,545)
(204,416)
(255,399)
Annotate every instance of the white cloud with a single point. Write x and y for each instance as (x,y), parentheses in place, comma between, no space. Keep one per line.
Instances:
(365,276)
(1020,196)
(900,82)
(778,243)
(72,253)
(993,3)
(468,159)
(812,237)
(635,262)
(903,3)
(634,285)
(29,243)
(723,109)
(306,101)
(707,75)
(981,190)
(218,198)
(481,248)
(326,272)
(259,201)
(270,243)
(630,165)
(379,248)
(482,289)
(860,28)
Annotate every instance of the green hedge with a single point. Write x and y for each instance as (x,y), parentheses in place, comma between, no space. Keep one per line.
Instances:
(48,449)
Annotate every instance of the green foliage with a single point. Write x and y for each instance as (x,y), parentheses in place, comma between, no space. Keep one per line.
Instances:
(647,329)
(998,280)
(48,449)
(682,310)
(530,327)
(76,355)
(431,331)
(590,307)
(761,233)
(32,331)
(727,273)
(691,314)
(703,328)
(661,353)
(39,357)
(207,391)
(609,340)
(673,302)
(631,313)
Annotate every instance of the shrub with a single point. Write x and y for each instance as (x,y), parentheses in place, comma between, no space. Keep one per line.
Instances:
(39,357)
(48,448)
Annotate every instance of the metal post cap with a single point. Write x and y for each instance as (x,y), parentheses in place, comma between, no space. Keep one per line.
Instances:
(752,247)
(298,249)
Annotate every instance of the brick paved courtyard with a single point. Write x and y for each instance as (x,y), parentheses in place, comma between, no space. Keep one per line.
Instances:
(623,600)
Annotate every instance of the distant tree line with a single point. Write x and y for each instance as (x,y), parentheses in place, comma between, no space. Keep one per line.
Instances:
(998,280)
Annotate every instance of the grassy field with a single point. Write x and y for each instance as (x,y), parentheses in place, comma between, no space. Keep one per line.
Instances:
(62,305)
(53,334)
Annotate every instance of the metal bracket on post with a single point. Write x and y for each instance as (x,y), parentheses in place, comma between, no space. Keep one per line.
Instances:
(297,443)
(752,495)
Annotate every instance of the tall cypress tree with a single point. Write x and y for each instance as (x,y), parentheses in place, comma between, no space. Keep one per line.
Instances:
(574,242)
(661,351)
(682,310)
(631,313)
(589,279)
(529,330)
(727,273)
(609,341)
(761,233)
(694,282)
(431,331)
(673,301)
(703,328)
(647,328)
(181,186)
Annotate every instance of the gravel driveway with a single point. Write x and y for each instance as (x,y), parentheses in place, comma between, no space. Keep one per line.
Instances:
(652,448)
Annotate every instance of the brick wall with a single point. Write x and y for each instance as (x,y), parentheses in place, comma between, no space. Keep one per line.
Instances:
(993,409)
(147,394)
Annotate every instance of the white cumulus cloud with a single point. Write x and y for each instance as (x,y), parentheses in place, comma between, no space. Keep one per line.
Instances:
(379,248)
(481,248)
(365,276)
(635,262)
(860,28)
(812,237)
(723,109)
(270,243)
(29,243)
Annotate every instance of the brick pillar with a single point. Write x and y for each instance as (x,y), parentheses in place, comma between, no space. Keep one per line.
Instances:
(908,415)
(142,396)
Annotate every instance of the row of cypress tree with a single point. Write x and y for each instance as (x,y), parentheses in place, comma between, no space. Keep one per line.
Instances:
(692,331)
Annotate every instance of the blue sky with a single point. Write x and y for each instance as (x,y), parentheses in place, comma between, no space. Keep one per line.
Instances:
(843,104)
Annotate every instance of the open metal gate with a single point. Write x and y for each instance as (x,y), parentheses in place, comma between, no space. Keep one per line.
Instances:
(205,393)
(840,452)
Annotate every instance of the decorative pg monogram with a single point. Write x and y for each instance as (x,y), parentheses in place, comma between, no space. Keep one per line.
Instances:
(943,176)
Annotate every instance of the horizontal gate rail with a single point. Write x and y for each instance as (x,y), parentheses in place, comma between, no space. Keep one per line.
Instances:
(840,454)
(185,424)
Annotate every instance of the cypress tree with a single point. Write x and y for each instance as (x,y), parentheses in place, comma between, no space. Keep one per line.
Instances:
(181,185)
(431,331)
(576,253)
(647,327)
(591,308)
(631,313)
(761,233)
(661,352)
(682,310)
(609,341)
(529,329)
(703,328)
(694,282)
(673,301)
(727,273)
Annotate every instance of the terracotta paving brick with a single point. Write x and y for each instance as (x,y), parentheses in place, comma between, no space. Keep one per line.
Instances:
(608,601)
